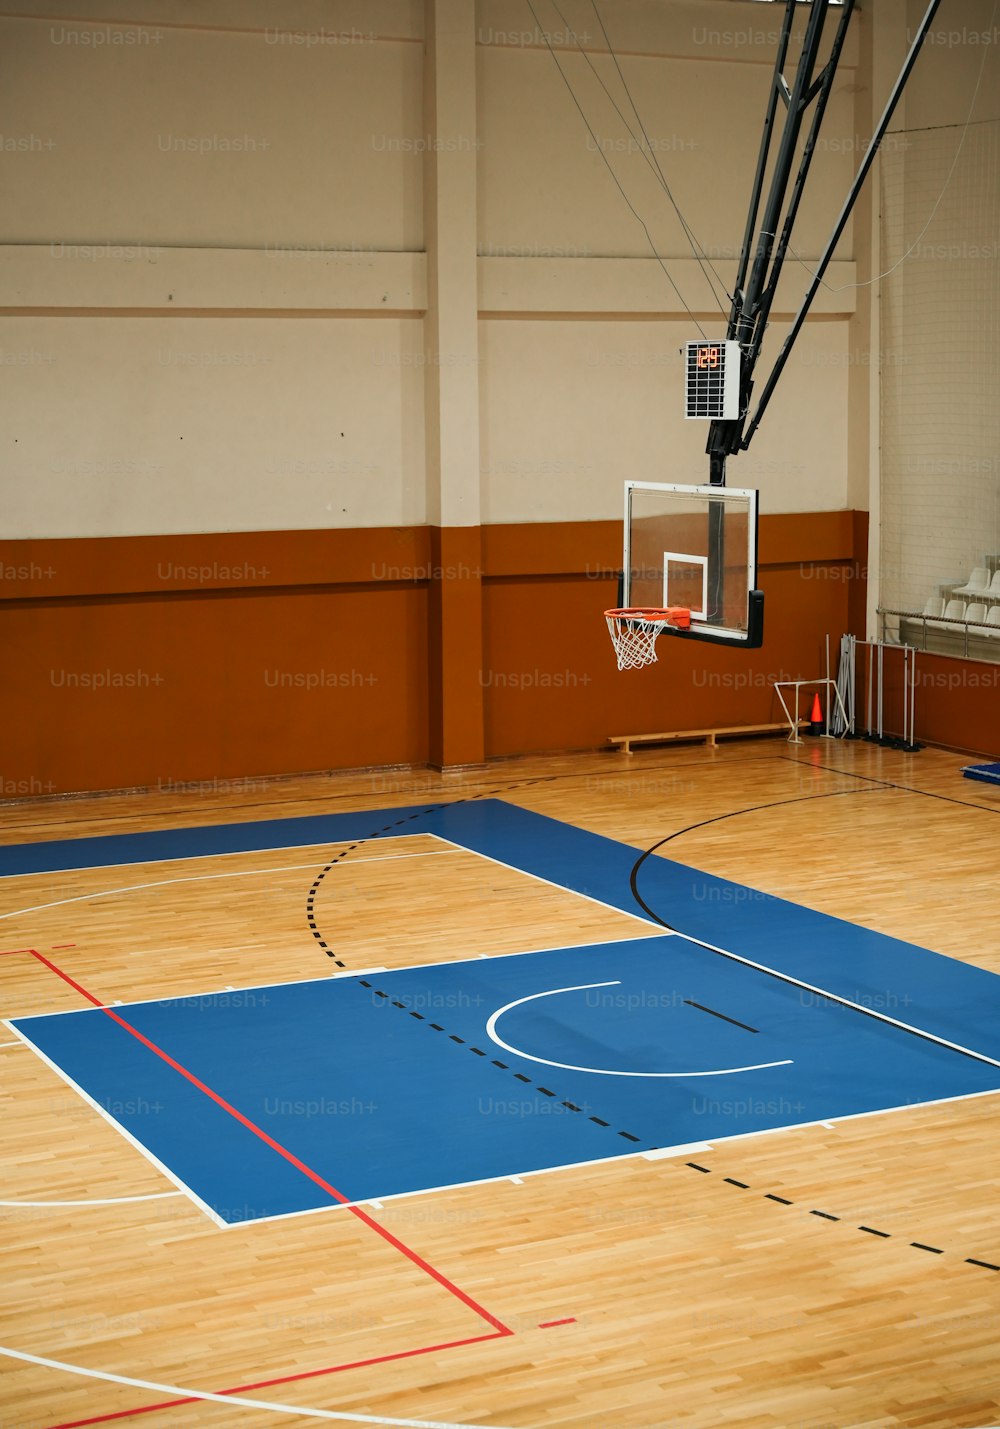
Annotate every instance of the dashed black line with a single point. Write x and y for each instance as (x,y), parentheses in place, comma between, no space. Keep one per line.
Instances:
(387,828)
(828,1216)
(387,1001)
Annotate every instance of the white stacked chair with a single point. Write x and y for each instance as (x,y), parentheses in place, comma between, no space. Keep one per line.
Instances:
(955,611)
(978,583)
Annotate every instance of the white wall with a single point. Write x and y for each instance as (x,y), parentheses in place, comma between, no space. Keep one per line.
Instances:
(205,138)
(545,185)
(571,410)
(141,425)
(176,183)
(189,350)
(940,303)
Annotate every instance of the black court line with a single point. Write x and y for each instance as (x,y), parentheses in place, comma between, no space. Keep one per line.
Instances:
(503,1066)
(874,786)
(334,796)
(388,829)
(469,791)
(717,819)
(828,1216)
(773,972)
(711,1010)
(888,784)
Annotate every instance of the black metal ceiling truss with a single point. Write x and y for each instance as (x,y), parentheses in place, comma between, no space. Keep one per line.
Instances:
(765,245)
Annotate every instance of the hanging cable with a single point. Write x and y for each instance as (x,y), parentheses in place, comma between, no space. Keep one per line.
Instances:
(696,248)
(937,204)
(646,149)
(610,169)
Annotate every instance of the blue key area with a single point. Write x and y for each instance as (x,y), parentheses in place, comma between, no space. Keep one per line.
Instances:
(379,1102)
(376,1102)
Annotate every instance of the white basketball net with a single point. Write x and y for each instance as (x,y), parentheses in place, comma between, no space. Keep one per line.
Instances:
(634,634)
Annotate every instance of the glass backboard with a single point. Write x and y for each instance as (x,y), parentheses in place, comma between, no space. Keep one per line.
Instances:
(695,546)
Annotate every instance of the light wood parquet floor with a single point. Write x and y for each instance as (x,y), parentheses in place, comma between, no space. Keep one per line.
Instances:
(690,1299)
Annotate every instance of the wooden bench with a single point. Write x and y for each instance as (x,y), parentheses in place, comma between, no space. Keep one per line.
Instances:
(708,736)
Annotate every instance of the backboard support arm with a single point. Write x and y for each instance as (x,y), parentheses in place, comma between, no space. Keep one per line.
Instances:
(841,223)
(757,284)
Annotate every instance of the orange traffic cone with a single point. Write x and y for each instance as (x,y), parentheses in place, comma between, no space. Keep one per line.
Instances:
(816,718)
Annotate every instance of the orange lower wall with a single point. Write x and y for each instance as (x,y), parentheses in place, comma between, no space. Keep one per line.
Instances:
(551,677)
(173,660)
(127,692)
(956,703)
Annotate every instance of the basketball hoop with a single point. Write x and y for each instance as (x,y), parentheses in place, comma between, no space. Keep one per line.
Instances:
(634,632)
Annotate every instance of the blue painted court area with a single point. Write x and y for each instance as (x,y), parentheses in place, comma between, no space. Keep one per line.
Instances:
(382,1084)
(602,1050)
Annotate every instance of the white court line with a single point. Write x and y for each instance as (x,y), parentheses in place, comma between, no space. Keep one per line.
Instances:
(343,974)
(687,1149)
(178,997)
(602,1071)
(340,1416)
(604,1160)
(654,931)
(194,857)
(11,1044)
(499,1180)
(858,1115)
(207,877)
(654,928)
(455,845)
(123,1131)
(761,967)
(308,1210)
(844,1001)
(109,1201)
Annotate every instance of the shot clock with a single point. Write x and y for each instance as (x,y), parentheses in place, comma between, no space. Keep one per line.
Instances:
(712,379)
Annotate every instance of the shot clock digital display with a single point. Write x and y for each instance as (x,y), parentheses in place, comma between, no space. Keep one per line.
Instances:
(712,380)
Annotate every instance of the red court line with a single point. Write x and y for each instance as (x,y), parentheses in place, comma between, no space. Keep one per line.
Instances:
(65,977)
(9,952)
(548,1324)
(283,1151)
(57,946)
(282,1379)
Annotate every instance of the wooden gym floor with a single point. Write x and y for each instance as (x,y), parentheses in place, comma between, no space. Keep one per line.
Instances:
(639,1293)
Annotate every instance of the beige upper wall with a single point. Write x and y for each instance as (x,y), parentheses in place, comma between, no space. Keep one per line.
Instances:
(739,30)
(205,138)
(571,410)
(144,153)
(330,18)
(137,426)
(545,180)
(568,411)
(960,51)
(940,303)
